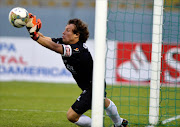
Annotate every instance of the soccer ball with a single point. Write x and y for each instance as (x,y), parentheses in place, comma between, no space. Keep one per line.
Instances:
(18,17)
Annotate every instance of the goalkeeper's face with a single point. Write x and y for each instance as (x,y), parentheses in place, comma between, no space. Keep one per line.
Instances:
(68,35)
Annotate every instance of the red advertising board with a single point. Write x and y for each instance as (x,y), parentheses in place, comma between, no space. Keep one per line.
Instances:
(134,63)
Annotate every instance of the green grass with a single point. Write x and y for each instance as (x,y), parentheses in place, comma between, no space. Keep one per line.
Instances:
(133,104)
(27,97)
(32,104)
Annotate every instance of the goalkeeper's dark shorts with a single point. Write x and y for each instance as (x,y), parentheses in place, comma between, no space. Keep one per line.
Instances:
(83,102)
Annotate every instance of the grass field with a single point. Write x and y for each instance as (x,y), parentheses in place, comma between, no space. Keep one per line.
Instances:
(30,104)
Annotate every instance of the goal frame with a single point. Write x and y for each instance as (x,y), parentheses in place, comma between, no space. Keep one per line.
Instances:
(99,63)
(156,62)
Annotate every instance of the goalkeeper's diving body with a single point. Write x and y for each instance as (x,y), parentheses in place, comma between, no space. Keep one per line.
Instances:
(79,62)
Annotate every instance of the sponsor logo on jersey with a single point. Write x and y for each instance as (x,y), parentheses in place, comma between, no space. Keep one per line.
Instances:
(76,49)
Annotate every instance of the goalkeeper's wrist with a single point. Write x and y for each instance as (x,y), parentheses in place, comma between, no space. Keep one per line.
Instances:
(35,36)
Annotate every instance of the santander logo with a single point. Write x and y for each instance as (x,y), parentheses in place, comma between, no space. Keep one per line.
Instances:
(137,68)
(172,58)
(134,63)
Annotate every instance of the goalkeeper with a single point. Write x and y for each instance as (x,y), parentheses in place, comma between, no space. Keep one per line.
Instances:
(79,62)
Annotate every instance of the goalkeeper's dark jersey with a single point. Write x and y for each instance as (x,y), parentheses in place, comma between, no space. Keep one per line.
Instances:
(78,61)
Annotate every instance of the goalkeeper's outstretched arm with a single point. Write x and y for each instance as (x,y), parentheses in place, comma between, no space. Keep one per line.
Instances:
(41,35)
(33,28)
(48,43)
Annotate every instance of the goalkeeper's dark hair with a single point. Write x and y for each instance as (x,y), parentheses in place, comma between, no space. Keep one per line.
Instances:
(81,29)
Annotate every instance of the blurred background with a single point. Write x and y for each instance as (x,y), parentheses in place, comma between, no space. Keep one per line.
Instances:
(128,21)
(133,17)
(129,38)
(54,15)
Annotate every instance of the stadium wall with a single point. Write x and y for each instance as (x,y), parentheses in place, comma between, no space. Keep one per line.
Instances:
(132,27)
(22,59)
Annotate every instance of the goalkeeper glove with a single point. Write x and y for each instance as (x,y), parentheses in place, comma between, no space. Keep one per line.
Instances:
(33,26)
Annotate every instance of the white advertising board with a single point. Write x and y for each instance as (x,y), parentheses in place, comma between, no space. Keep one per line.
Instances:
(23,59)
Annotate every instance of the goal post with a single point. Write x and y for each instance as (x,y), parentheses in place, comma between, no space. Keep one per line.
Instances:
(99,63)
(156,62)
(142,62)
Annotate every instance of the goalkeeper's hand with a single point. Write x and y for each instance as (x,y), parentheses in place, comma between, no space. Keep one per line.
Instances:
(33,26)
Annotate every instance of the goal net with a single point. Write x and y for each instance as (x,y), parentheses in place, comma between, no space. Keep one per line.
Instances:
(129,57)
